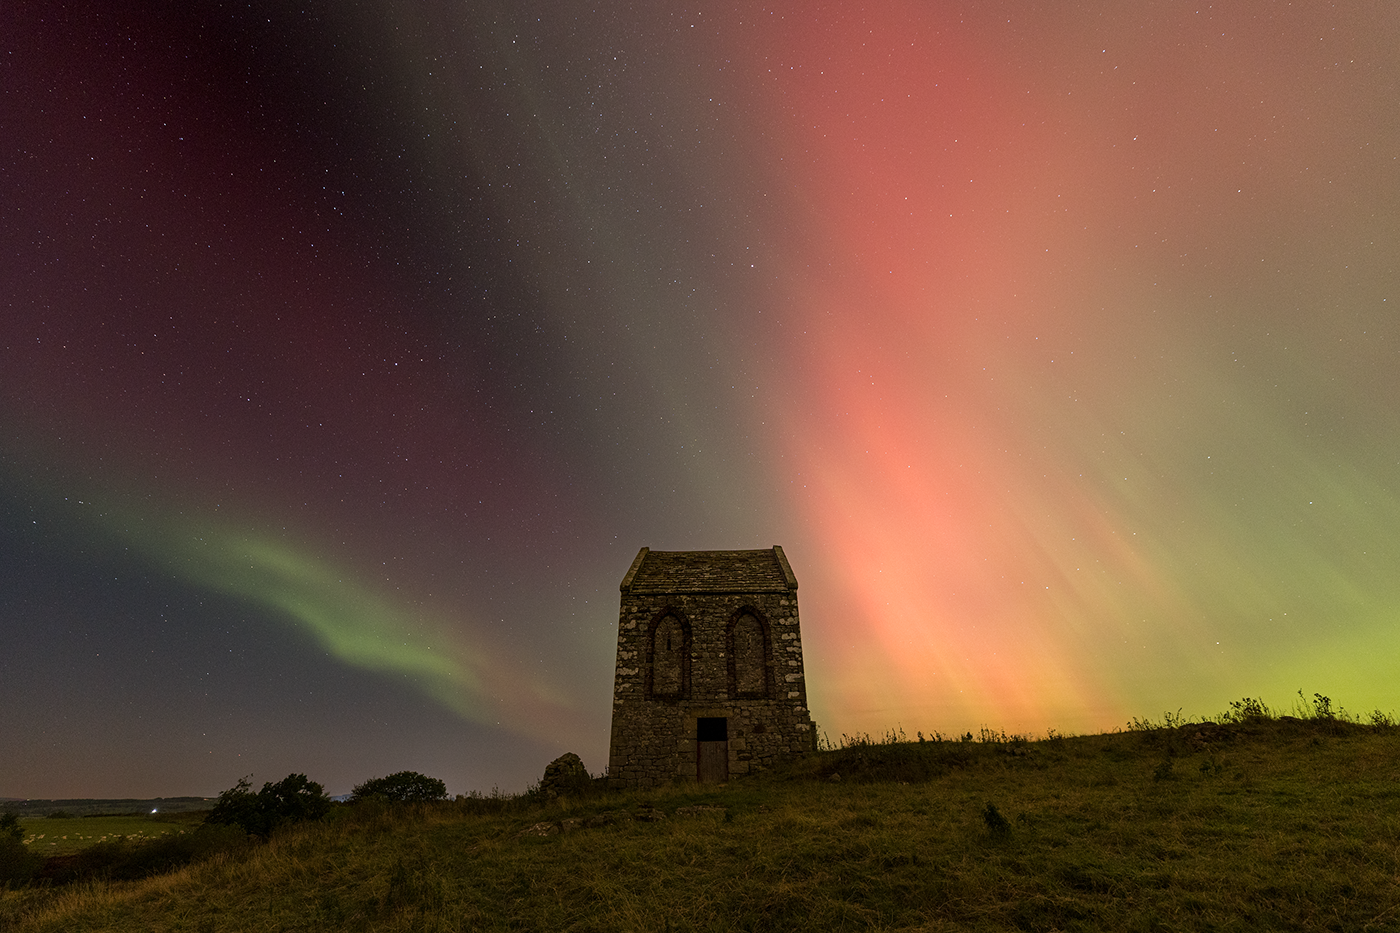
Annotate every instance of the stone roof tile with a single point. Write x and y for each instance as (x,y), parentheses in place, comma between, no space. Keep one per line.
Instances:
(763,571)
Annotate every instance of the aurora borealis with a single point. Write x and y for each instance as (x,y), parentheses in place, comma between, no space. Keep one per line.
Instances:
(350,351)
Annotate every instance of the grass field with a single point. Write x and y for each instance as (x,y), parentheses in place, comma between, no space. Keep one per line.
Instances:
(1257,824)
(64,836)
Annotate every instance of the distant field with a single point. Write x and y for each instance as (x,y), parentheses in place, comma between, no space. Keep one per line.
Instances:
(63,836)
(88,806)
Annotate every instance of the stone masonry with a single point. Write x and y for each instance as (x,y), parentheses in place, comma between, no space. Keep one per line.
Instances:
(709,668)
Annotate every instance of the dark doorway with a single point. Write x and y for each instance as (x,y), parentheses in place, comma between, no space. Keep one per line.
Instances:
(712,749)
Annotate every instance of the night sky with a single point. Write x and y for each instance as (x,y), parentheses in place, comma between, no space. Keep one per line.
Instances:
(350,351)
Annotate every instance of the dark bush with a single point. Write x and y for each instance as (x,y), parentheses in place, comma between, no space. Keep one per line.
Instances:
(10,830)
(17,863)
(401,787)
(237,806)
(293,799)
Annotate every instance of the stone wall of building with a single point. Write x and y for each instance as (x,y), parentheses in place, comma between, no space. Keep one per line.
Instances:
(687,656)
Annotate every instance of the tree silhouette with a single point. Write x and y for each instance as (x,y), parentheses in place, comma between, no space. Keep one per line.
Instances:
(293,799)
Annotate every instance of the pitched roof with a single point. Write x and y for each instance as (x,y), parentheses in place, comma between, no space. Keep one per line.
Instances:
(764,571)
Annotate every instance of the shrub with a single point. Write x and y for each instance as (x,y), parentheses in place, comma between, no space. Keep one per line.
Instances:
(17,863)
(293,799)
(401,787)
(1246,710)
(10,830)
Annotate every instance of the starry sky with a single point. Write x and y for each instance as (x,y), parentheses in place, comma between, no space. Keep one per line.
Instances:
(349,351)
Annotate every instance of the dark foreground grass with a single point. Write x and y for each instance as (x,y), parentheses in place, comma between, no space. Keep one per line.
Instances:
(1257,824)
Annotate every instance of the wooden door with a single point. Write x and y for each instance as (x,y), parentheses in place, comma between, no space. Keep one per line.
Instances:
(714,762)
(712,750)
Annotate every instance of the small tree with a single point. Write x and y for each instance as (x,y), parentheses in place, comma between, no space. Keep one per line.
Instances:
(293,799)
(10,830)
(401,787)
(238,806)
(17,863)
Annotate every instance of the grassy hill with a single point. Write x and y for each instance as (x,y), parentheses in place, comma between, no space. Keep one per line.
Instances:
(1254,822)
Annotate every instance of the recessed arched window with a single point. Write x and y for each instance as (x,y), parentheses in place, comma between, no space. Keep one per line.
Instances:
(670,657)
(748,653)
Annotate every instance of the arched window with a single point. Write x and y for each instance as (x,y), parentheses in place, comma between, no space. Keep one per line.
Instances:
(668,657)
(748,649)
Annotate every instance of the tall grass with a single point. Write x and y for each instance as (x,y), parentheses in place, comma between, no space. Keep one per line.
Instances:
(1251,820)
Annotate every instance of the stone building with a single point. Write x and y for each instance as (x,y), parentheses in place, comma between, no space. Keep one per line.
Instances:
(709,668)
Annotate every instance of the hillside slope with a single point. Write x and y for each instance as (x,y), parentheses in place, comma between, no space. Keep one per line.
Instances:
(1266,824)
